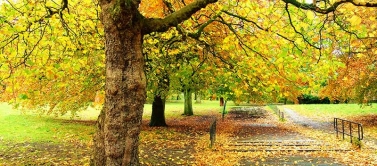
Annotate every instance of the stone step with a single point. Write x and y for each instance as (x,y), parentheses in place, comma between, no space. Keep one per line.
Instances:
(287,150)
(282,145)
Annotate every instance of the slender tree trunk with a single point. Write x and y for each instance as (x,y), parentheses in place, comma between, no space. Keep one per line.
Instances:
(221,101)
(118,127)
(158,112)
(188,103)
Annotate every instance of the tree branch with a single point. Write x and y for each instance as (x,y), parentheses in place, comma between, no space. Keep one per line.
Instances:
(328,9)
(161,25)
(296,31)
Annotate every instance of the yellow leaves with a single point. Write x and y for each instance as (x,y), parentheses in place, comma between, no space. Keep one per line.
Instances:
(316,39)
(152,8)
(360,55)
(286,94)
(310,15)
(238,92)
(355,20)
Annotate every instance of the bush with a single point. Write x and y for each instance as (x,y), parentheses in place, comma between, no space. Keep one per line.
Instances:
(311,99)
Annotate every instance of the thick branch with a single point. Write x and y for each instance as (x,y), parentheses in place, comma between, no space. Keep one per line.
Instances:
(161,25)
(197,34)
(330,8)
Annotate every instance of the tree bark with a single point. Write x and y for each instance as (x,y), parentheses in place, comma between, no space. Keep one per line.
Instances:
(158,112)
(188,103)
(118,126)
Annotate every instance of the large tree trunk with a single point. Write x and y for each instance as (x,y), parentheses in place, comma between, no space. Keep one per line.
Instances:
(188,103)
(118,126)
(158,112)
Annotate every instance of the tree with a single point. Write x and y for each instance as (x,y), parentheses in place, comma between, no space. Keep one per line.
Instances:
(49,60)
(116,141)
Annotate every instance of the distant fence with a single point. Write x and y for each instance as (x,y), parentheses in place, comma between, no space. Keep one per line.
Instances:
(277,110)
(281,114)
(349,128)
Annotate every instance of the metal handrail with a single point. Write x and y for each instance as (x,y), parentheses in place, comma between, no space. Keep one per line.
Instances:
(360,130)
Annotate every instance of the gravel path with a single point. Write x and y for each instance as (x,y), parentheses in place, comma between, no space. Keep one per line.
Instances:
(306,122)
(292,116)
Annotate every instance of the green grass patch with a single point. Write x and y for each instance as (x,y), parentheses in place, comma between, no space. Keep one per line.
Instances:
(17,127)
(326,112)
(31,127)
(174,108)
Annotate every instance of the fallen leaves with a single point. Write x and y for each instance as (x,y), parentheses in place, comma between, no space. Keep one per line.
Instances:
(43,153)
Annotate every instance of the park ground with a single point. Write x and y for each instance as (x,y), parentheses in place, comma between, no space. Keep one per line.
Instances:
(31,139)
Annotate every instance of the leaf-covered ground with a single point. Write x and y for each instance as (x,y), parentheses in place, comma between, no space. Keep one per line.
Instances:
(186,142)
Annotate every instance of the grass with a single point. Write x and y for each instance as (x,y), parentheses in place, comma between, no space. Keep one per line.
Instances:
(326,112)
(17,127)
(30,127)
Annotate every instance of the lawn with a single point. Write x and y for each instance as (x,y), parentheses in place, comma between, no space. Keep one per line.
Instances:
(326,112)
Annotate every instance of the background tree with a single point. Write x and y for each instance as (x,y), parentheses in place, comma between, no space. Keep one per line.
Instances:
(51,60)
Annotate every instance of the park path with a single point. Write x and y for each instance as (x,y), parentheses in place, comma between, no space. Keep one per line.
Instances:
(328,127)
(289,146)
(306,122)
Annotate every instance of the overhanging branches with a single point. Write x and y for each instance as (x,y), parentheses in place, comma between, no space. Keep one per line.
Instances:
(328,8)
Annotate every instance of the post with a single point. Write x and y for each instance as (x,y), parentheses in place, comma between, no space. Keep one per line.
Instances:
(223,114)
(212,133)
(282,115)
(336,126)
(343,128)
(350,125)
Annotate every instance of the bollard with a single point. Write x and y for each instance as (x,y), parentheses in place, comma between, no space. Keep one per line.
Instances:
(212,133)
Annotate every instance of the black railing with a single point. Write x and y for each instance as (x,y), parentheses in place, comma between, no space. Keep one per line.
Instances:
(346,127)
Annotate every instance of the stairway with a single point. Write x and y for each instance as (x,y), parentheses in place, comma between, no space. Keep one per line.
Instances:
(281,145)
